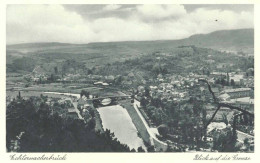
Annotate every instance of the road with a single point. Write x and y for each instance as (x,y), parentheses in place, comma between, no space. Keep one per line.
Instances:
(152,131)
(75,104)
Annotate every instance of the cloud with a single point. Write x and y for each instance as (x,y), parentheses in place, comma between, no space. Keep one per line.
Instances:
(161,11)
(49,23)
(111,7)
(41,23)
(206,20)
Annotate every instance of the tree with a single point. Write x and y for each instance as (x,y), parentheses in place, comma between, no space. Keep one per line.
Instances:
(232,82)
(225,142)
(84,93)
(46,132)
(220,105)
(163,130)
(156,102)
(151,148)
(217,81)
(247,144)
(56,70)
(90,71)
(19,95)
(92,123)
(140,149)
(133,150)
(208,73)
(156,69)
(147,91)
(118,80)
(92,112)
(143,102)
(52,78)
(224,118)
(223,81)
(164,71)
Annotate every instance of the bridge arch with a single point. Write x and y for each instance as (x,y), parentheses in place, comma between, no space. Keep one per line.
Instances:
(105,101)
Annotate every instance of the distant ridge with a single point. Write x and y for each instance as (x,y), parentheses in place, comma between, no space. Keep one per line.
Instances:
(239,38)
(230,40)
(38,44)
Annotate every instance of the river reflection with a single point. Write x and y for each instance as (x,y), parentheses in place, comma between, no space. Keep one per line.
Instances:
(116,119)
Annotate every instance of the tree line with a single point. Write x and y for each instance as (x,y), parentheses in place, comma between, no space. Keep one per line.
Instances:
(44,131)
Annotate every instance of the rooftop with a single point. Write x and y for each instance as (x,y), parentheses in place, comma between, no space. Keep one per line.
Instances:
(70,110)
(237,90)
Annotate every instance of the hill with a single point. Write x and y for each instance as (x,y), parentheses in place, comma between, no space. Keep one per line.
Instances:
(230,40)
(101,53)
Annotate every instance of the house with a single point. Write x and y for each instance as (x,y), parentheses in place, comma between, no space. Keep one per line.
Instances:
(36,79)
(127,82)
(72,113)
(86,106)
(183,94)
(218,74)
(96,77)
(210,61)
(82,102)
(98,83)
(169,86)
(105,84)
(110,78)
(237,78)
(215,91)
(153,87)
(224,97)
(131,75)
(140,88)
(239,92)
(38,71)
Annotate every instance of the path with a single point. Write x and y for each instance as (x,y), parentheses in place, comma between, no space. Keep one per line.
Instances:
(151,131)
(75,104)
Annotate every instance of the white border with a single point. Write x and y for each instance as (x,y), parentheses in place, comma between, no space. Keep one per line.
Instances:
(127,157)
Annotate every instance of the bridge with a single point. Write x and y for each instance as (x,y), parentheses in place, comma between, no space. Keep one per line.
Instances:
(104,97)
(105,100)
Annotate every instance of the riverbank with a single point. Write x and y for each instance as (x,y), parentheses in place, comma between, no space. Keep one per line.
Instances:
(147,133)
(99,127)
(117,119)
(137,121)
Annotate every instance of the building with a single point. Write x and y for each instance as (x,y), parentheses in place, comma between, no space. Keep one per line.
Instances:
(86,106)
(215,91)
(238,79)
(81,102)
(224,97)
(72,113)
(239,92)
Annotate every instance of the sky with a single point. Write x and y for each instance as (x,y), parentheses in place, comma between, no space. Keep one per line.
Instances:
(115,22)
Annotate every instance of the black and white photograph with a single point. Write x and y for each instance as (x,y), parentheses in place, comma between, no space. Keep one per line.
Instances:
(139,78)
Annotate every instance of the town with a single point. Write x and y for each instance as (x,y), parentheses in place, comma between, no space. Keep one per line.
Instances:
(178,105)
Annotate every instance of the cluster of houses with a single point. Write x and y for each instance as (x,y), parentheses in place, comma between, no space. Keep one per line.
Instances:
(38,74)
(183,87)
(172,88)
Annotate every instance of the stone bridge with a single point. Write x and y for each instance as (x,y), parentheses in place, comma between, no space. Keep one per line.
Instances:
(106,100)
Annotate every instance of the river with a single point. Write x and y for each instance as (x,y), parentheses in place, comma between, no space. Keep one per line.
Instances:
(117,120)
